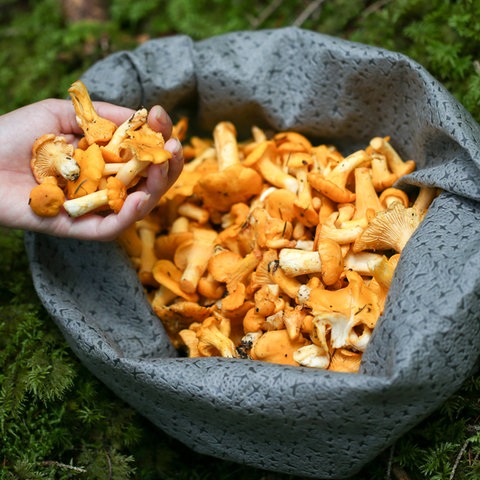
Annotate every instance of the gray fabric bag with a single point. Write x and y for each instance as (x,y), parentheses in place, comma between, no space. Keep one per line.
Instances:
(294,420)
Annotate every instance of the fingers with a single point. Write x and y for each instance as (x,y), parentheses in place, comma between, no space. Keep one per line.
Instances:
(161,177)
(99,228)
(159,120)
(138,203)
(175,164)
(115,113)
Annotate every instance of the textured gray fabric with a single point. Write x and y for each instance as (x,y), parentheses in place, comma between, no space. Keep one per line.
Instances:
(293,420)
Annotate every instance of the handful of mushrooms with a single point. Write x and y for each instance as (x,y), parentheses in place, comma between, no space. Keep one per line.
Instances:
(96,174)
(276,249)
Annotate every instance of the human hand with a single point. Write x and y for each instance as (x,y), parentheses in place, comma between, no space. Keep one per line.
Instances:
(18,131)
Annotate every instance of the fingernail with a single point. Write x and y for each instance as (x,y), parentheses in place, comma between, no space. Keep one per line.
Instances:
(143,206)
(160,114)
(174,146)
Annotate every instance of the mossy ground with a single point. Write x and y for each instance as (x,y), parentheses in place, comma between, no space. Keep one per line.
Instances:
(56,420)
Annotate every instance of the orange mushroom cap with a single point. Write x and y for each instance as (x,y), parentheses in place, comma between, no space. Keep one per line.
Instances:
(113,196)
(277,347)
(95,128)
(46,199)
(52,156)
(91,165)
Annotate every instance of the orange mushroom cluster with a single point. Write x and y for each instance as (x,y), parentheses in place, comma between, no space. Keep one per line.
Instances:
(96,174)
(276,249)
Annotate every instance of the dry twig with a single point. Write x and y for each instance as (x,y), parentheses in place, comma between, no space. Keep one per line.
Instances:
(458,458)
(265,13)
(378,5)
(389,464)
(307,12)
(53,463)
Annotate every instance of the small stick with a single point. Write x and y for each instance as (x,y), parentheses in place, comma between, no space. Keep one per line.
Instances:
(388,476)
(311,7)
(458,458)
(54,463)
(266,12)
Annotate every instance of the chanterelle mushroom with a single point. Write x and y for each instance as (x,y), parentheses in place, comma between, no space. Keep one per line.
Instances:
(213,338)
(312,355)
(220,190)
(113,196)
(192,257)
(143,147)
(276,268)
(327,261)
(277,347)
(389,230)
(395,162)
(232,182)
(91,170)
(355,300)
(111,151)
(95,128)
(333,185)
(52,156)
(263,159)
(46,199)
(345,360)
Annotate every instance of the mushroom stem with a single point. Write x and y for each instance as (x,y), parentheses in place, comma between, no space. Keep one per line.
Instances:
(198,255)
(312,356)
(339,175)
(333,185)
(193,212)
(262,158)
(113,196)
(382,177)
(289,285)
(136,120)
(131,169)
(303,204)
(424,199)
(147,230)
(167,274)
(111,169)
(395,162)
(67,167)
(131,242)
(363,263)
(343,235)
(82,205)
(244,268)
(366,198)
(225,140)
(296,262)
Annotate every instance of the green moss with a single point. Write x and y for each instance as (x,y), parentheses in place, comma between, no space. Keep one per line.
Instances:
(441,35)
